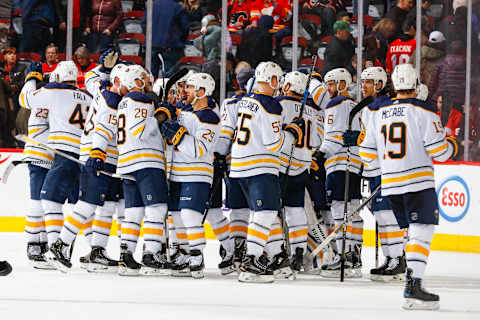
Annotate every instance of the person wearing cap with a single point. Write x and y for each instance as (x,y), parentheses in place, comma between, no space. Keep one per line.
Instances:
(340,49)
(432,53)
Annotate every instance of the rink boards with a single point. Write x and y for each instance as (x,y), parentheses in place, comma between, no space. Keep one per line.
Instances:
(456,186)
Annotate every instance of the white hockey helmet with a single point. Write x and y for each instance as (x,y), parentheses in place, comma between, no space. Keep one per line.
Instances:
(116,72)
(265,72)
(130,74)
(53,76)
(185,77)
(249,84)
(376,74)
(66,71)
(337,75)
(297,81)
(158,86)
(202,80)
(422,92)
(404,77)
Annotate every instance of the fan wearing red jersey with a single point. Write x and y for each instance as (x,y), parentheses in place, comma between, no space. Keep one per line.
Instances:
(280,10)
(401,49)
(240,14)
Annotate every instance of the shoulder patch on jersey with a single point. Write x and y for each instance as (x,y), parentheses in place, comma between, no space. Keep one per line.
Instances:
(111,98)
(337,100)
(379,102)
(138,96)
(207,116)
(417,103)
(59,85)
(268,103)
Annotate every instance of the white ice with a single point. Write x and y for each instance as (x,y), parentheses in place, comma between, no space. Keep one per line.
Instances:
(34,294)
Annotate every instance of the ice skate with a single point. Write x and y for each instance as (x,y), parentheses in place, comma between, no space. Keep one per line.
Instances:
(196,264)
(255,270)
(416,298)
(84,261)
(100,262)
(356,259)
(297,260)
(226,266)
(58,257)
(5,268)
(280,265)
(332,270)
(376,274)
(395,270)
(239,252)
(36,257)
(155,264)
(180,265)
(127,266)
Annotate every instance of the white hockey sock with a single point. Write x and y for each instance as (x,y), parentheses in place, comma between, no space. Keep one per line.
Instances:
(87,229)
(34,224)
(337,209)
(120,216)
(81,213)
(53,220)
(102,224)
(239,219)
(258,231)
(172,234)
(154,227)
(195,231)
(131,227)
(221,227)
(180,230)
(389,233)
(275,239)
(356,233)
(297,227)
(418,247)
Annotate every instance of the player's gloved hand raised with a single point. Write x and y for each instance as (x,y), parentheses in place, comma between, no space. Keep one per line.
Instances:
(165,111)
(96,161)
(173,131)
(220,163)
(297,128)
(350,138)
(108,60)
(34,71)
(317,168)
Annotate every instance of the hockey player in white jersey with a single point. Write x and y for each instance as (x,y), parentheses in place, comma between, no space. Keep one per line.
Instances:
(374,80)
(318,91)
(40,160)
(193,136)
(336,123)
(141,155)
(405,134)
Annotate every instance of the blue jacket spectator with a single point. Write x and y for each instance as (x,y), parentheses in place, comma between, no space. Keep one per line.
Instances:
(38,16)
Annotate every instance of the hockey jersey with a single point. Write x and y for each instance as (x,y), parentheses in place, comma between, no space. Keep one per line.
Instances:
(101,125)
(93,80)
(280,10)
(399,52)
(193,157)
(302,153)
(37,126)
(228,120)
(139,141)
(319,93)
(336,123)
(404,135)
(258,137)
(241,13)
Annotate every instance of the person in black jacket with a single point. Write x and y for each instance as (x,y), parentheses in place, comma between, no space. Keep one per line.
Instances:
(256,45)
(340,49)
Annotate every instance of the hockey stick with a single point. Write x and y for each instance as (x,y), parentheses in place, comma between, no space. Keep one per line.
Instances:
(286,236)
(352,114)
(376,244)
(27,139)
(337,229)
(10,168)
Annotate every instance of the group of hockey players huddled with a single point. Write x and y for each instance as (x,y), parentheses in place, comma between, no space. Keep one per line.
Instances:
(158,157)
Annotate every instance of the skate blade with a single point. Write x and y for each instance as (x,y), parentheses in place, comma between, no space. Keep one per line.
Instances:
(333,274)
(181,273)
(99,268)
(122,271)
(285,274)
(84,266)
(415,304)
(227,270)
(197,274)
(386,279)
(248,277)
(52,260)
(42,265)
(148,271)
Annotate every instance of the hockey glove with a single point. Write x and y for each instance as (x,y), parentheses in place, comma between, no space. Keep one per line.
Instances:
(220,164)
(108,60)
(296,128)
(451,140)
(96,161)
(317,169)
(350,138)
(34,71)
(173,132)
(165,111)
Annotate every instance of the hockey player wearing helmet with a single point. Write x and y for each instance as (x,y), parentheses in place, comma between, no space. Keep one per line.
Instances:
(407,172)
(337,114)
(193,136)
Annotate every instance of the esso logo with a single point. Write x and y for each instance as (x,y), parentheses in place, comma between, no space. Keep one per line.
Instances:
(453,199)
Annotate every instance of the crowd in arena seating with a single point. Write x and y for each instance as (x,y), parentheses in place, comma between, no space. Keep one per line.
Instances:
(187,34)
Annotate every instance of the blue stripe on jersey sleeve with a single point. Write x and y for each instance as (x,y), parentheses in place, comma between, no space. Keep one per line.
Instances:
(418,103)
(111,98)
(138,96)
(268,103)
(337,100)
(207,116)
(379,102)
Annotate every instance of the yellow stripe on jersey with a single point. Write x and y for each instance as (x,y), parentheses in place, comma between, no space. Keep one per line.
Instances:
(280,143)
(136,132)
(250,162)
(37,153)
(436,150)
(320,131)
(257,234)
(64,138)
(293,163)
(22,100)
(192,169)
(342,159)
(141,155)
(338,137)
(368,155)
(230,134)
(317,95)
(408,177)
(111,151)
(104,131)
(74,222)
(33,131)
(200,150)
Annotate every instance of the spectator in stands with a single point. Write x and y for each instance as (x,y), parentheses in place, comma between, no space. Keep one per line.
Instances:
(171,25)
(210,41)
(457,29)
(256,45)
(13,72)
(81,10)
(432,54)
(340,49)
(37,19)
(103,20)
(242,14)
(383,31)
(5,18)
(50,59)
(456,128)
(326,10)
(195,11)
(401,49)
(83,63)
(399,13)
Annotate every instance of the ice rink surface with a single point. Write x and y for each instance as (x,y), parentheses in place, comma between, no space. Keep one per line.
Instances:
(34,294)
